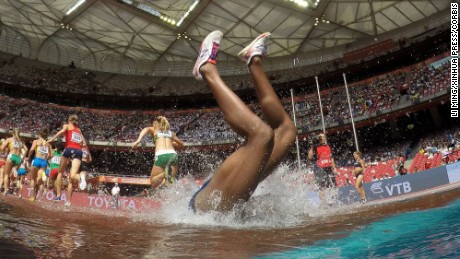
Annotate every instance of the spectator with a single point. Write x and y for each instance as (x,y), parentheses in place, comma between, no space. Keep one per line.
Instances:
(100,191)
(358,170)
(325,169)
(399,166)
(115,194)
(427,165)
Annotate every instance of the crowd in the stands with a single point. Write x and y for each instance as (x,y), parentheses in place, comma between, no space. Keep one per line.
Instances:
(367,98)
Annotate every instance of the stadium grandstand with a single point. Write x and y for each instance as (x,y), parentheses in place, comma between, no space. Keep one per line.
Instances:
(118,63)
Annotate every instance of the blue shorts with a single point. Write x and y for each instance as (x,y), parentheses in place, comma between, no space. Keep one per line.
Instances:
(72,153)
(191,204)
(22,171)
(47,172)
(39,163)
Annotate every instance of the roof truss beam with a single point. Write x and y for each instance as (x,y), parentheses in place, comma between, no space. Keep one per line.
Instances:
(244,22)
(185,25)
(374,22)
(143,14)
(360,19)
(320,10)
(416,8)
(72,16)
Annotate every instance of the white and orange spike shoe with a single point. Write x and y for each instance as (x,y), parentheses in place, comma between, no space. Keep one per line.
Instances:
(208,52)
(257,47)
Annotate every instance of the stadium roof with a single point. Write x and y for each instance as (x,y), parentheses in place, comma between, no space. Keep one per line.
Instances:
(146,36)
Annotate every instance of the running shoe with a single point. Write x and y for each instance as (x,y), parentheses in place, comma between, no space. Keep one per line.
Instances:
(82,182)
(208,52)
(67,204)
(57,198)
(257,47)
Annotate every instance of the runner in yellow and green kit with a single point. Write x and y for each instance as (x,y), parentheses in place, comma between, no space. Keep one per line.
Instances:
(55,161)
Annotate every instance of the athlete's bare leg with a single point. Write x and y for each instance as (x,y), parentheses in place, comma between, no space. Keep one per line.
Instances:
(238,176)
(21,178)
(156,177)
(33,182)
(359,187)
(74,176)
(274,114)
(6,175)
(58,184)
(1,177)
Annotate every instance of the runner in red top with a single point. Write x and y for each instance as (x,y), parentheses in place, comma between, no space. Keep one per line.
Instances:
(73,138)
(324,155)
(325,170)
(74,141)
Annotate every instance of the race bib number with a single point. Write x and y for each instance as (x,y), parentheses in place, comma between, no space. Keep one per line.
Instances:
(17,144)
(42,150)
(324,162)
(56,160)
(76,137)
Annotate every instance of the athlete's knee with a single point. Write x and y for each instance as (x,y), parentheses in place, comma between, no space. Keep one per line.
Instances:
(289,131)
(265,134)
(292,129)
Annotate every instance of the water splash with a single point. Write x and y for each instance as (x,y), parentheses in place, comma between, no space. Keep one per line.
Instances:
(286,198)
